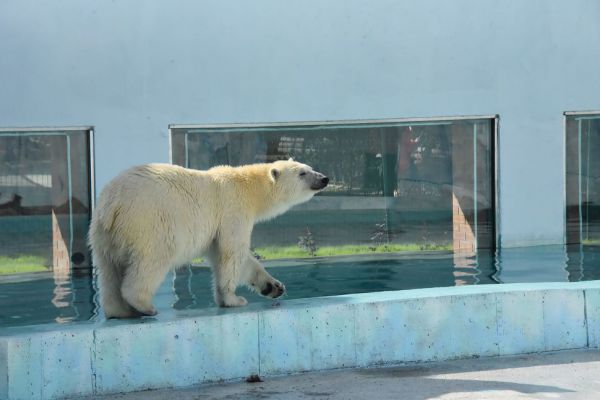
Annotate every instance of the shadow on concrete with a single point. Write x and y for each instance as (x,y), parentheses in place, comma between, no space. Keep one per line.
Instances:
(484,364)
(535,376)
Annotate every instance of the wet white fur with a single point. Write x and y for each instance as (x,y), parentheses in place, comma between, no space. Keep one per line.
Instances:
(154,218)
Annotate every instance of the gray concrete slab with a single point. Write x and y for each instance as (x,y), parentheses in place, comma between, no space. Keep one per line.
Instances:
(558,375)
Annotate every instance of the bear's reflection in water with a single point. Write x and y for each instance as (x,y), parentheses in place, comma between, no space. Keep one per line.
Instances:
(315,278)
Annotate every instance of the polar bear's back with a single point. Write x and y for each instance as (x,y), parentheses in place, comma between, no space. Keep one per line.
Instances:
(156,210)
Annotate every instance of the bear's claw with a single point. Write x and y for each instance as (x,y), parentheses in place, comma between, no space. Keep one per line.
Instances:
(273,290)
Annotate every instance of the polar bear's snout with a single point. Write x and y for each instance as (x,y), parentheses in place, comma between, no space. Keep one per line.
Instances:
(319,182)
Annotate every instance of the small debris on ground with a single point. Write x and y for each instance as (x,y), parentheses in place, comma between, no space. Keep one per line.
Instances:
(254,379)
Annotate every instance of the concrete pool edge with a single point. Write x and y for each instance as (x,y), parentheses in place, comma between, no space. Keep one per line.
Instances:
(300,335)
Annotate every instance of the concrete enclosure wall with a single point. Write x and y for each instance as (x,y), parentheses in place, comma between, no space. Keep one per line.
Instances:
(300,335)
(132,67)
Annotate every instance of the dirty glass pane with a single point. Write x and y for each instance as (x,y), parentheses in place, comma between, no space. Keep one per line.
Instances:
(44,219)
(44,199)
(433,166)
(394,186)
(583,179)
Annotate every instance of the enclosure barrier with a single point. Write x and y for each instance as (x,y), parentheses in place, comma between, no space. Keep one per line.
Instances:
(52,362)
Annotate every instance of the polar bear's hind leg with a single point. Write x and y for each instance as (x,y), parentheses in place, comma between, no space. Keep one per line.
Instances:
(140,283)
(110,280)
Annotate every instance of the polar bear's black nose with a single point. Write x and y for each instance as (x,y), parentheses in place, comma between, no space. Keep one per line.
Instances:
(320,182)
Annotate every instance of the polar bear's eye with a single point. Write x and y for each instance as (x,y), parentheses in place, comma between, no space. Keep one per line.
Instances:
(302,173)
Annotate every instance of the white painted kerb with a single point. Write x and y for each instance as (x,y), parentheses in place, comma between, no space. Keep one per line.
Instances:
(299,335)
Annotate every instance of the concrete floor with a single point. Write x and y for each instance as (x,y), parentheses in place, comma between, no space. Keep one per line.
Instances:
(560,375)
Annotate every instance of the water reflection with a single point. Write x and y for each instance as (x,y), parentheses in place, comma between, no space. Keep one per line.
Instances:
(45,298)
(583,263)
(533,264)
(466,269)
(41,298)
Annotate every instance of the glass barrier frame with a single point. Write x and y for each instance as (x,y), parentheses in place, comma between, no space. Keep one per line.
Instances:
(494,119)
(570,237)
(88,179)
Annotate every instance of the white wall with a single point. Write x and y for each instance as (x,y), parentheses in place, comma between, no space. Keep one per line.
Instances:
(131,67)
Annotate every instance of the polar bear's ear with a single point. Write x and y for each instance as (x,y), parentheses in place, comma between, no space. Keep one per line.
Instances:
(275,174)
(291,159)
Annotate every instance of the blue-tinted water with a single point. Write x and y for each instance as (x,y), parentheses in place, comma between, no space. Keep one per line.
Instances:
(41,298)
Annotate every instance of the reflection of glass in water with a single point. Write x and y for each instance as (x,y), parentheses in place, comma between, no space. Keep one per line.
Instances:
(466,269)
(62,292)
(63,298)
(72,299)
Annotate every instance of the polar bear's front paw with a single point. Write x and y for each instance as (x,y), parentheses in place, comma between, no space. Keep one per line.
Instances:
(273,289)
(234,301)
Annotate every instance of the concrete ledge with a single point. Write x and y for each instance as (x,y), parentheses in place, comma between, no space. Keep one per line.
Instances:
(184,349)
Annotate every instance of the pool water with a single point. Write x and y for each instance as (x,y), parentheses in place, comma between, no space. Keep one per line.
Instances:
(41,298)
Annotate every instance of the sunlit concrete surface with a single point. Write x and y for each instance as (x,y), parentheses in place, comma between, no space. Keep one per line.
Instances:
(560,375)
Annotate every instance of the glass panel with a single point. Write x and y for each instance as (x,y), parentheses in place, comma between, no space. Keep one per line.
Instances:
(44,218)
(393,186)
(44,200)
(583,179)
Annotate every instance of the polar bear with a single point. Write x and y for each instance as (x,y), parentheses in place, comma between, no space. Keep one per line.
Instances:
(153,218)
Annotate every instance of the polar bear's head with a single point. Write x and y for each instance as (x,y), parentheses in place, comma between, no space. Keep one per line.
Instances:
(294,182)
